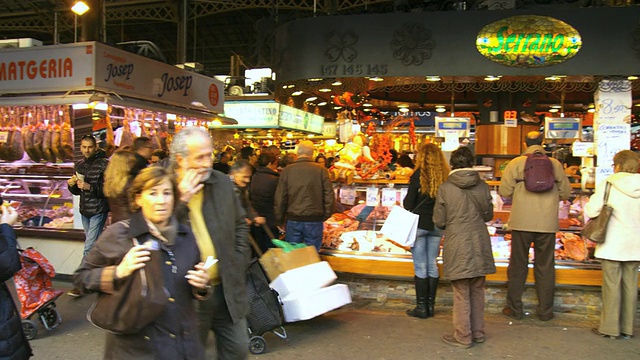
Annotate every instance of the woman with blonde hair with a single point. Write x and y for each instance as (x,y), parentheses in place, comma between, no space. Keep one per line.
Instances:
(117,181)
(431,171)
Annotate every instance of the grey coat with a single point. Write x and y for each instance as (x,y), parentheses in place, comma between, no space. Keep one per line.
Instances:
(225,219)
(467,247)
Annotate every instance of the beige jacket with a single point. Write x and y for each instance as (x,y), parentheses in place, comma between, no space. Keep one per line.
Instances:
(530,211)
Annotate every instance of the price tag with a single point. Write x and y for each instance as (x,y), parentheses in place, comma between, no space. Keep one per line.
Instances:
(582,149)
(4,136)
(403,194)
(388,197)
(372,196)
(348,195)
(611,139)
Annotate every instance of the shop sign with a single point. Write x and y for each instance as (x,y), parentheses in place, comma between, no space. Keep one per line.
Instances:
(528,41)
(253,114)
(46,69)
(296,119)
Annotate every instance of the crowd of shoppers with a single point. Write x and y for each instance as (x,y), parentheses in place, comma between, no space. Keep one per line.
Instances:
(194,212)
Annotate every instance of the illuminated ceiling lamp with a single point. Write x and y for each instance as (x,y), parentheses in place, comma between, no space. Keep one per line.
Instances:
(440,109)
(79,8)
(433,78)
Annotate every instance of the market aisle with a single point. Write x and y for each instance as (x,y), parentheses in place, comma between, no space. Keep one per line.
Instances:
(360,333)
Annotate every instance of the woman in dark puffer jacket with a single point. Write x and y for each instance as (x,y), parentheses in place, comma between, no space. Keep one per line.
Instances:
(13,343)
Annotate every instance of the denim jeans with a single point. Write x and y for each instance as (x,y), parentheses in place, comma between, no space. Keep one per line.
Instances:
(92,229)
(424,253)
(309,233)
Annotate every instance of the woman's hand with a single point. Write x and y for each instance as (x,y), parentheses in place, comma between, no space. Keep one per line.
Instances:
(134,259)
(198,278)
(260,220)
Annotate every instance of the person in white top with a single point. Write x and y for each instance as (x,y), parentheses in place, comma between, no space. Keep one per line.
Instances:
(620,252)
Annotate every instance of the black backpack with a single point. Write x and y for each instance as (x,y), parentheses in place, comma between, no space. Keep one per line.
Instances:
(538,173)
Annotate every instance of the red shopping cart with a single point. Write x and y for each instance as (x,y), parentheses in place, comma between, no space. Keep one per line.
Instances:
(37,296)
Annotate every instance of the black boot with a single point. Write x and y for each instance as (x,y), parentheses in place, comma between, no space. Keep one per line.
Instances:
(431,299)
(422,289)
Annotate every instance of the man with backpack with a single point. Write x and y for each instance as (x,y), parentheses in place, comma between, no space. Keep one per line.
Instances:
(536,184)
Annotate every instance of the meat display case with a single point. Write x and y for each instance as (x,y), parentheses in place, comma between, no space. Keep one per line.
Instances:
(40,194)
(575,263)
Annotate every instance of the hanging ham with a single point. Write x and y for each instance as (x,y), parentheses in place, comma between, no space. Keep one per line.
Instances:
(4,127)
(110,138)
(55,135)
(66,137)
(127,136)
(38,136)
(155,137)
(28,132)
(16,147)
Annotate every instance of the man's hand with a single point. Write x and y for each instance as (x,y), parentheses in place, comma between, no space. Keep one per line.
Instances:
(259,220)
(83,185)
(72,181)
(9,215)
(190,184)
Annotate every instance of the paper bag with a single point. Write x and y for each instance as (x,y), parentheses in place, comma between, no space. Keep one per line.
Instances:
(401,226)
(276,261)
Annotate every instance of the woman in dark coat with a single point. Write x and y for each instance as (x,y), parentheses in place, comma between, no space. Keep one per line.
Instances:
(13,343)
(463,205)
(173,335)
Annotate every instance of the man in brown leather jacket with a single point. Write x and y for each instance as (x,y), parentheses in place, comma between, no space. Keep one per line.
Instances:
(304,198)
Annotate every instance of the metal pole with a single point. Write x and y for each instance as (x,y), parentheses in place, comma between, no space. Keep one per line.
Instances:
(75,28)
(55,29)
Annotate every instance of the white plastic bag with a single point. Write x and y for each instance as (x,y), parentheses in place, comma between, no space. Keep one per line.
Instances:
(401,226)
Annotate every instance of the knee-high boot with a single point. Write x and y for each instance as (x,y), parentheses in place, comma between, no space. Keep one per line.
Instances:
(431,299)
(422,290)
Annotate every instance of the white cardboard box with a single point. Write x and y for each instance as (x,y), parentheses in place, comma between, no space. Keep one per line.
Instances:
(304,279)
(309,304)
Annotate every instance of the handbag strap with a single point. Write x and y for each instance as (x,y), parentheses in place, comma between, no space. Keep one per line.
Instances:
(607,189)
(143,274)
(420,203)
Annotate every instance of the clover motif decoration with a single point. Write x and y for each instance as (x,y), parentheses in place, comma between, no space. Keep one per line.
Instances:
(412,44)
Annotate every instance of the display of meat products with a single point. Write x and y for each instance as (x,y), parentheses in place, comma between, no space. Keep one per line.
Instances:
(66,138)
(28,132)
(55,136)
(38,136)
(127,135)
(16,147)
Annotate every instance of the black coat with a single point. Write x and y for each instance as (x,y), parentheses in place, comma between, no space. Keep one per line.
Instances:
(13,343)
(92,202)
(262,193)
(173,335)
(139,165)
(229,233)
(418,203)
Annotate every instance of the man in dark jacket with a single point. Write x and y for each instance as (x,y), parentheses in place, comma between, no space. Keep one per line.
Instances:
(13,342)
(304,197)
(262,194)
(88,182)
(217,219)
(142,149)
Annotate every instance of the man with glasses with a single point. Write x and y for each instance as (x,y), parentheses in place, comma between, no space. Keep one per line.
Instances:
(87,182)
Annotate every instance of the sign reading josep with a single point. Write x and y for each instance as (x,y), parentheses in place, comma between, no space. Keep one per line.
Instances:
(528,41)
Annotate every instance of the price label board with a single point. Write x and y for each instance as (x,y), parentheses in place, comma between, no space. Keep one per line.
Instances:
(562,128)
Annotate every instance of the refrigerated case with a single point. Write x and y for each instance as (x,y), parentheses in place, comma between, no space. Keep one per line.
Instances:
(575,264)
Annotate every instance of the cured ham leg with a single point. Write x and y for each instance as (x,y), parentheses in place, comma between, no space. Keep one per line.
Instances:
(127,136)
(4,127)
(16,147)
(47,151)
(55,135)
(28,132)
(66,137)
(38,136)
(110,138)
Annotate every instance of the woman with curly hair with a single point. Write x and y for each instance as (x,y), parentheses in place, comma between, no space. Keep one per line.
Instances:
(117,181)
(431,171)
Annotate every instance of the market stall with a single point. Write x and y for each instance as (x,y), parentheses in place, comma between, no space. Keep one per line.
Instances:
(50,96)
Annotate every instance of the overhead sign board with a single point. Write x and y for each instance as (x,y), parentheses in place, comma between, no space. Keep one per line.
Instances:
(528,41)
(270,114)
(562,128)
(95,66)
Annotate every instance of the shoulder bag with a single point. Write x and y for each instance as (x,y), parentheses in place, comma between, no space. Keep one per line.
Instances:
(135,303)
(596,229)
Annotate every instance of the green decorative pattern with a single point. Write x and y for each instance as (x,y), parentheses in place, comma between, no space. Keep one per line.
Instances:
(528,41)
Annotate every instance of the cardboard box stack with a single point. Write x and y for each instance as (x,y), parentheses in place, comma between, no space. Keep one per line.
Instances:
(306,289)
